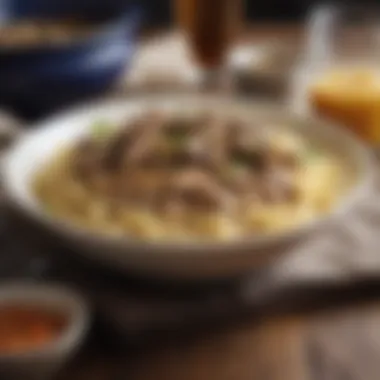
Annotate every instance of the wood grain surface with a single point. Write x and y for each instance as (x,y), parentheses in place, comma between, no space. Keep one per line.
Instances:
(336,345)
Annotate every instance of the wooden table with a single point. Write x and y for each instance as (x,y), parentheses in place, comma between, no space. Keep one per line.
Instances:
(339,344)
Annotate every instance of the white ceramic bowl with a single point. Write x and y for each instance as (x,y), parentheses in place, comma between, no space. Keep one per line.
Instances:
(181,261)
(46,361)
(265,69)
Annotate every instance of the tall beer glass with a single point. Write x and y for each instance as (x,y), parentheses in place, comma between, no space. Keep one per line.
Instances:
(210,27)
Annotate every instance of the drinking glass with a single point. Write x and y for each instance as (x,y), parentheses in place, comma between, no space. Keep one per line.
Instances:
(210,27)
(339,75)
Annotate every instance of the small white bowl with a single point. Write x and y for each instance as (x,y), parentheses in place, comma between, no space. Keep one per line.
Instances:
(45,361)
(265,69)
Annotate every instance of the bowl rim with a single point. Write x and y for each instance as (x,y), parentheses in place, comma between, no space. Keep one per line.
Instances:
(245,59)
(358,191)
(38,295)
(130,17)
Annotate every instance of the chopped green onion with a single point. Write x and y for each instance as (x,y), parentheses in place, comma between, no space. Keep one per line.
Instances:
(311,153)
(177,138)
(101,130)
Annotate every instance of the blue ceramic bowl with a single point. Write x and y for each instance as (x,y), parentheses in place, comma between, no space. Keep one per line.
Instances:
(38,80)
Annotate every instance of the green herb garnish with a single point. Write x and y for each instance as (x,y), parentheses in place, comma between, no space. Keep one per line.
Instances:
(177,134)
(177,138)
(101,130)
(233,169)
(311,154)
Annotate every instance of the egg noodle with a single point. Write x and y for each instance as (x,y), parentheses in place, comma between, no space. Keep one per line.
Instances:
(318,181)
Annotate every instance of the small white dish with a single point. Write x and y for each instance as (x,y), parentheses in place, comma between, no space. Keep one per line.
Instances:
(264,69)
(45,361)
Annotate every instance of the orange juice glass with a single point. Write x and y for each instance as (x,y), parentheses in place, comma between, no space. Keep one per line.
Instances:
(349,96)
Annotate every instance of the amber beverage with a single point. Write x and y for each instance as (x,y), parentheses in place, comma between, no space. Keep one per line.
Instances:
(210,26)
(350,97)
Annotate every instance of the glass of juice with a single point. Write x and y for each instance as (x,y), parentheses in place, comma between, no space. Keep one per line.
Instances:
(210,27)
(350,96)
(341,68)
